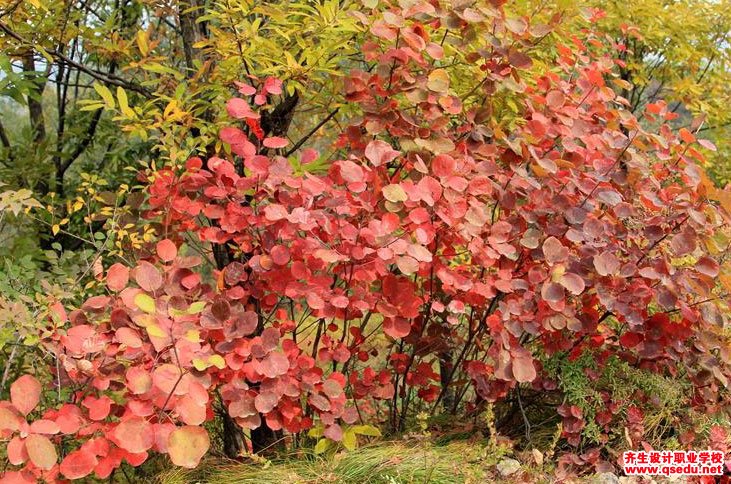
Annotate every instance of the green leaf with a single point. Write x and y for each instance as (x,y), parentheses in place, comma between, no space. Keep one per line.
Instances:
(350,441)
(322,446)
(161,69)
(369,430)
(317,431)
(196,307)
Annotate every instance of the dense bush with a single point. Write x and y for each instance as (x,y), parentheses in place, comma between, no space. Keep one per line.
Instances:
(462,254)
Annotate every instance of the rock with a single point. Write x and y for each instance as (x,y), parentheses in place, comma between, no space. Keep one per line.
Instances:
(508,467)
(605,478)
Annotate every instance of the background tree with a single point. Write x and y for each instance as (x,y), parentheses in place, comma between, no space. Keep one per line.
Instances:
(677,51)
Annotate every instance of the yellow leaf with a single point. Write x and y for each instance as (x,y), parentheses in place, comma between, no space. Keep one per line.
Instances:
(317,431)
(142,43)
(369,430)
(200,364)
(217,361)
(350,441)
(105,94)
(124,103)
(193,335)
(438,81)
(394,193)
(170,108)
(155,331)
(196,307)
(145,303)
(55,229)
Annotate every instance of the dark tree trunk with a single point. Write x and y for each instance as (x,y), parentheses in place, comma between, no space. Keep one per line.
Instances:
(446,364)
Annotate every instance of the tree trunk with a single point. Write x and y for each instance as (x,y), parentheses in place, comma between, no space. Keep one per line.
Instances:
(446,364)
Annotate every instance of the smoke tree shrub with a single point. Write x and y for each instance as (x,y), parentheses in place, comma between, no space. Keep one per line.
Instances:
(459,236)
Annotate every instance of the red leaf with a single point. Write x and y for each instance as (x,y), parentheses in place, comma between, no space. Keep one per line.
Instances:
(232,136)
(631,339)
(98,407)
(41,451)
(134,434)
(279,254)
(274,212)
(166,250)
(332,388)
(25,393)
(350,171)
(245,89)
(139,380)
(190,411)
(443,165)
(683,243)
(117,277)
(69,419)
(272,85)
(555,99)
(552,292)
(707,266)
(78,464)
(147,276)
(187,445)
(519,59)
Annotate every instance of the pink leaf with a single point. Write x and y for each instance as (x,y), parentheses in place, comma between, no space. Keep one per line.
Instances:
(240,109)
(134,434)
(572,282)
(606,264)
(275,142)
(554,251)
(379,152)
(524,371)
(397,327)
(147,276)
(266,401)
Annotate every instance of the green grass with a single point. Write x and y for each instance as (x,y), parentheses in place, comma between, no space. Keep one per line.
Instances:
(387,463)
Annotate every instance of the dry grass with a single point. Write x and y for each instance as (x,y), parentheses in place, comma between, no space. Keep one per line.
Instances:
(395,462)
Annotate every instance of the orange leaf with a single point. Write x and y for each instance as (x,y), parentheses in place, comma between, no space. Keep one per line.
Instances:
(25,393)
(187,445)
(41,451)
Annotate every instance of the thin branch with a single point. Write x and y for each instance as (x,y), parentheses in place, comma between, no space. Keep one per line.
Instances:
(304,139)
(82,145)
